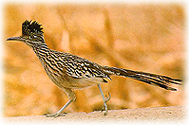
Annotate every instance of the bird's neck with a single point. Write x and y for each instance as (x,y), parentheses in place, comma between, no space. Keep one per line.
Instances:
(41,49)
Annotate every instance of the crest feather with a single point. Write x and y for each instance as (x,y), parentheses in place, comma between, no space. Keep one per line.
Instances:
(29,27)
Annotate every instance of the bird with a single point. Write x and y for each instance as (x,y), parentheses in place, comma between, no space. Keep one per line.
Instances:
(70,72)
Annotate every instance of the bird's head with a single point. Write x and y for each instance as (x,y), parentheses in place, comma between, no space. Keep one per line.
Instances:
(31,33)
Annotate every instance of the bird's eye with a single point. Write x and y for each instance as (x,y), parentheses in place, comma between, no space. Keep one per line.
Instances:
(34,36)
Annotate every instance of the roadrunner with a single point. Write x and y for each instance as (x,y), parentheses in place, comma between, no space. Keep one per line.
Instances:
(71,72)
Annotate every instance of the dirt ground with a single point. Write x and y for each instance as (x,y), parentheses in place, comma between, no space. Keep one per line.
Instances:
(172,114)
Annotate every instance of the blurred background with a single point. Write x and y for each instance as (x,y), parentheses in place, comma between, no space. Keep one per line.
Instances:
(142,37)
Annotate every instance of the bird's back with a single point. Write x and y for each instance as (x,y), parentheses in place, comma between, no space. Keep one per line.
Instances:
(70,71)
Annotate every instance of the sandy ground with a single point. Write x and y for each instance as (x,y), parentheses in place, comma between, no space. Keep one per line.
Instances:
(172,114)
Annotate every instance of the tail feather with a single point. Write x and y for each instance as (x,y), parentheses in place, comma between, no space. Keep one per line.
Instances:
(153,79)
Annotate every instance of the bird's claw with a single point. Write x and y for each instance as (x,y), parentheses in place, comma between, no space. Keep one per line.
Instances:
(55,115)
(107,98)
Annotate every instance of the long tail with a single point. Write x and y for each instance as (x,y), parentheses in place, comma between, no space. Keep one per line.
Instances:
(153,79)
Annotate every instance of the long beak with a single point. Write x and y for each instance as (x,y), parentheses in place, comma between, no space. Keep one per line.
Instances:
(15,39)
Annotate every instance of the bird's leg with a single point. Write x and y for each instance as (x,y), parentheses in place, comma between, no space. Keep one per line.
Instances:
(71,96)
(104,100)
(59,112)
(107,98)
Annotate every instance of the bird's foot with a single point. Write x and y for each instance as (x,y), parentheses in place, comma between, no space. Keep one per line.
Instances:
(55,115)
(105,108)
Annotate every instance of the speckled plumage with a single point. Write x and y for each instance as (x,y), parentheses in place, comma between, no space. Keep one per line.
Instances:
(69,71)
